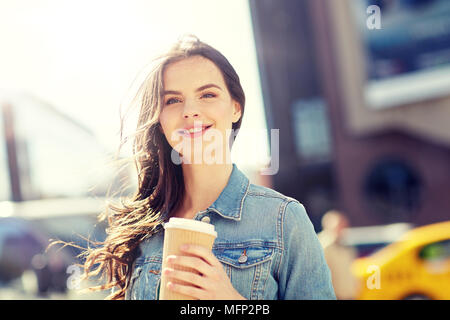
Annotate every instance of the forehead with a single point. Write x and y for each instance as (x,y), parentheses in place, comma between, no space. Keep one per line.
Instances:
(191,72)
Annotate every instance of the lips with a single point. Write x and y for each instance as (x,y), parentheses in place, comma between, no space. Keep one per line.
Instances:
(194,131)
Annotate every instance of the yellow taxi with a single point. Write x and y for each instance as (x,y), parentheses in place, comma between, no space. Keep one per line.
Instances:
(417,266)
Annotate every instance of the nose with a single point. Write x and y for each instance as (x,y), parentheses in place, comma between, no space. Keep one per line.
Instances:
(190,110)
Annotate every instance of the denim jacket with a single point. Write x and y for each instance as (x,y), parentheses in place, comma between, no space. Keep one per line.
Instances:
(266,244)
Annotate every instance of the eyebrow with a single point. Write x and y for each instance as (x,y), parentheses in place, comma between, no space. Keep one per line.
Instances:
(206,86)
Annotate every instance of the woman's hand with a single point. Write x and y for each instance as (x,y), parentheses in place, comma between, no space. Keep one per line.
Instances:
(211,284)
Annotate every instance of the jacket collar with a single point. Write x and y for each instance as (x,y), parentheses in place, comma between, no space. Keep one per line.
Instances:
(231,200)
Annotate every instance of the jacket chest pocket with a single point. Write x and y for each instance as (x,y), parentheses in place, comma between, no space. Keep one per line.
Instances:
(247,266)
(145,279)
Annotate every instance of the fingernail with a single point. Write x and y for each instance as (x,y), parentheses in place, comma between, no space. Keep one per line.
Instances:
(167,270)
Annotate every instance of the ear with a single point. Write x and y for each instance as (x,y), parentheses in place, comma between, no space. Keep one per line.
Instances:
(237,111)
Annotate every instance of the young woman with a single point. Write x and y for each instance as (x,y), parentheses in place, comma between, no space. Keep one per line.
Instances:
(266,246)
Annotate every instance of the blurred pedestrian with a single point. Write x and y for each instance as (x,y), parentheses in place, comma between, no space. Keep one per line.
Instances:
(338,256)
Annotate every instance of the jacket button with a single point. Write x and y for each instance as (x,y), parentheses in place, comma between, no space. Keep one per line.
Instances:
(242,258)
(206,219)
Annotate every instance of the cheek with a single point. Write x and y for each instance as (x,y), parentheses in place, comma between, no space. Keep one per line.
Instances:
(224,115)
(169,126)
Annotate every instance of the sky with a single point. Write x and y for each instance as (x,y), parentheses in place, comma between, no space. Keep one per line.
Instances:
(86,57)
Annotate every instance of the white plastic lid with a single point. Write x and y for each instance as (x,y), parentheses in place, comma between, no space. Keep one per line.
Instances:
(190,224)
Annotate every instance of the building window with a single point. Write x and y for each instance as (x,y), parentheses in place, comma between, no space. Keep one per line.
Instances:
(311,129)
(393,189)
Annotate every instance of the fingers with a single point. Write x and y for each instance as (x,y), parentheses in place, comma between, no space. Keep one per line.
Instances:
(202,260)
(193,292)
(195,263)
(207,278)
(185,276)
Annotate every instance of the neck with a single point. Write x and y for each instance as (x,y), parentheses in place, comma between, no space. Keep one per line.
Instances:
(203,185)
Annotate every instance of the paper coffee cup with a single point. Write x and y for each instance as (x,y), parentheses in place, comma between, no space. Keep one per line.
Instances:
(179,231)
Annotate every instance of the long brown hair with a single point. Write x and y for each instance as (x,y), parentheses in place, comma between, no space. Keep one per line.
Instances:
(160,184)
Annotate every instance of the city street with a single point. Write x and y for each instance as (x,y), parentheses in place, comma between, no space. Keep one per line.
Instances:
(16,290)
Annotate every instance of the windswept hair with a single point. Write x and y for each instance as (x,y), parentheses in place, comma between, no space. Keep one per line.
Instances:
(160,184)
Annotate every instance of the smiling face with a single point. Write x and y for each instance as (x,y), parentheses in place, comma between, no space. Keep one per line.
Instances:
(195,93)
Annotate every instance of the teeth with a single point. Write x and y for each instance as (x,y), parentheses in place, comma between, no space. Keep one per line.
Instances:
(194,130)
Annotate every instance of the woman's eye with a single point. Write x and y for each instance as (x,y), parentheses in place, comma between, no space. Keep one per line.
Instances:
(172,100)
(208,95)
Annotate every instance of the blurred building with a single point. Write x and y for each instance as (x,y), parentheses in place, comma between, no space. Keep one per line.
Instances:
(54,175)
(44,154)
(365,112)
